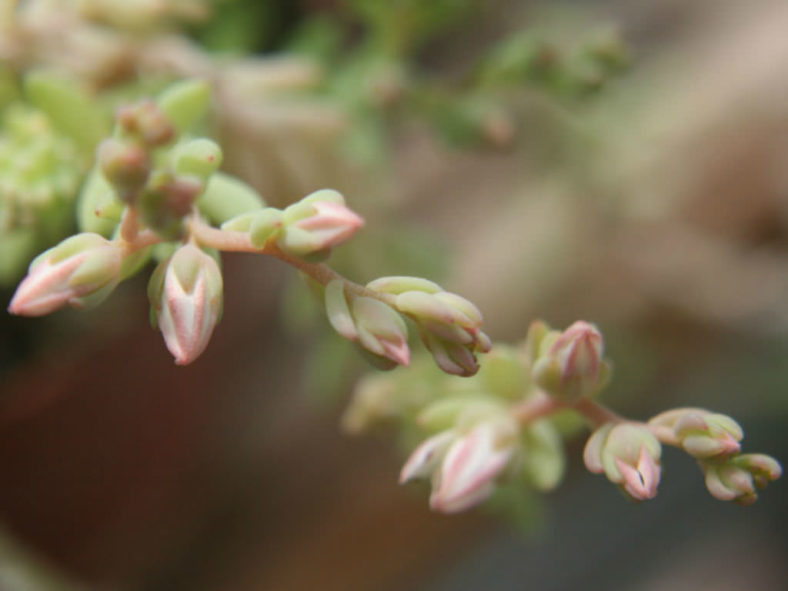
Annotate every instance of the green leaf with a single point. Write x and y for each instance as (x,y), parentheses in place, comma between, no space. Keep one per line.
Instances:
(69,107)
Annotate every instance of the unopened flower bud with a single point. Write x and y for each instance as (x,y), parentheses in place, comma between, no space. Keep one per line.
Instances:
(571,367)
(381,330)
(147,121)
(81,270)
(450,328)
(373,324)
(186,297)
(316,224)
(125,165)
(629,455)
(199,157)
(471,465)
(463,465)
(701,433)
(738,478)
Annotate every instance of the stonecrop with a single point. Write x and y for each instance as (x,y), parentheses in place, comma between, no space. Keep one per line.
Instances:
(156,193)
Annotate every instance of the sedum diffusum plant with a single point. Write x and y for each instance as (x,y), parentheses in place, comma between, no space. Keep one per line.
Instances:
(157,192)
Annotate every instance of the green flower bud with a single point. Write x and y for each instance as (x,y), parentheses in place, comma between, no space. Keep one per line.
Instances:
(185,103)
(80,271)
(226,198)
(126,167)
(200,158)
(701,433)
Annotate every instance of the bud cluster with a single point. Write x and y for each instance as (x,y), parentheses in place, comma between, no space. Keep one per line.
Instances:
(715,441)
(308,229)
(449,325)
(472,444)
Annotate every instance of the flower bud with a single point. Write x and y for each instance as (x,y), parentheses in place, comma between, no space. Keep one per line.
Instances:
(463,465)
(629,455)
(381,330)
(125,165)
(701,433)
(450,328)
(147,121)
(376,326)
(199,157)
(571,367)
(471,464)
(318,227)
(737,478)
(186,297)
(81,270)
(400,284)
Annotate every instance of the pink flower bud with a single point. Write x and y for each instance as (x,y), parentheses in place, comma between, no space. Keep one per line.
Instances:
(572,366)
(628,454)
(450,328)
(186,295)
(81,270)
(427,456)
(701,433)
(315,226)
(470,466)
(737,478)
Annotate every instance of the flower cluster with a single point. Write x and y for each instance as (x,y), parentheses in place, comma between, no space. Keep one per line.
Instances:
(501,428)
(156,192)
(155,185)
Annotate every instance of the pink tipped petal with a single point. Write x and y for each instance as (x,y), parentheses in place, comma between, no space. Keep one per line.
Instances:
(472,462)
(425,458)
(397,351)
(640,481)
(57,278)
(455,505)
(332,224)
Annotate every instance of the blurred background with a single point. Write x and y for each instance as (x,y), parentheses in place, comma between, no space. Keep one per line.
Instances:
(624,162)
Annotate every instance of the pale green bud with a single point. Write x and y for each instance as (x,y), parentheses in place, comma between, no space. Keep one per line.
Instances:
(629,455)
(737,478)
(227,197)
(80,271)
(701,433)
(200,158)
(401,284)
(185,103)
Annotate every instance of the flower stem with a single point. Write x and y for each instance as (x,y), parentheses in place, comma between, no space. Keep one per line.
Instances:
(232,241)
(541,405)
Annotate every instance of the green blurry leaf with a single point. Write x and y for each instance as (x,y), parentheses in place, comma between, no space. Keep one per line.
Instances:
(185,103)
(69,107)
(227,197)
